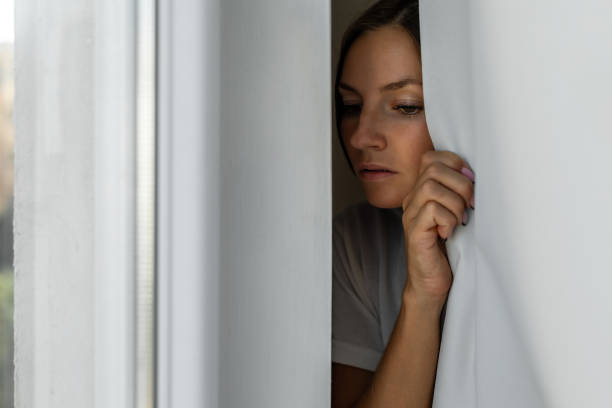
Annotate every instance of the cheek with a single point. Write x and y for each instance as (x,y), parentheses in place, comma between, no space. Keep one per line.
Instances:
(347,128)
(414,142)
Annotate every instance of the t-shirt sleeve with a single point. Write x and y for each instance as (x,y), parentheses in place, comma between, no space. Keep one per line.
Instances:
(356,335)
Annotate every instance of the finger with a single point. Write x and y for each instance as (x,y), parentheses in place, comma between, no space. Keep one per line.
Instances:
(450,159)
(436,219)
(451,179)
(432,190)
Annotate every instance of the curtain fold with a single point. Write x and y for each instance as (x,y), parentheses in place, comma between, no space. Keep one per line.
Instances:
(522,90)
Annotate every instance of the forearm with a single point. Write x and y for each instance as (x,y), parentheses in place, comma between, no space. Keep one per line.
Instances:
(406,373)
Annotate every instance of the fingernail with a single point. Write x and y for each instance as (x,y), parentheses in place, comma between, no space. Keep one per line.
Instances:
(464,218)
(468,173)
(472,202)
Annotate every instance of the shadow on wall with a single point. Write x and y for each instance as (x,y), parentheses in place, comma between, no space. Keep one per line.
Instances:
(346,187)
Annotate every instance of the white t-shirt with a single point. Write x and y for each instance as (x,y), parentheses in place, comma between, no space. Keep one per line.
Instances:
(369,274)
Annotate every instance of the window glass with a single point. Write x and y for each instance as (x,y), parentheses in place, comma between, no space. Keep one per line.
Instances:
(6,203)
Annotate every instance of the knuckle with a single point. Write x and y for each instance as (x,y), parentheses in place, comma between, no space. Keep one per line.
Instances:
(427,158)
(427,154)
(429,187)
(455,160)
(433,170)
(458,162)
(430,207)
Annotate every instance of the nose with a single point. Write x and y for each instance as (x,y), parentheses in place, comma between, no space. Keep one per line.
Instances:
(368,133)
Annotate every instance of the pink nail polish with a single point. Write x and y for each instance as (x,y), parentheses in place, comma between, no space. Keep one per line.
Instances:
(468,173)
(464,218)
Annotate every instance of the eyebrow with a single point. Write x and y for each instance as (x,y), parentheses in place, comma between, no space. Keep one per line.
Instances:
(389,87)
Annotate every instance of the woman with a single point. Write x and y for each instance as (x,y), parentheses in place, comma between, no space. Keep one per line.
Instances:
(391,276)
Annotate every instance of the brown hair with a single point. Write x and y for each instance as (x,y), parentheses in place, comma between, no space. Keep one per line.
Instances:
(401,13)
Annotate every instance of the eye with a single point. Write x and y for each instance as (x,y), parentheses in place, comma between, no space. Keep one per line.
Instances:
(408,110)
(351,109)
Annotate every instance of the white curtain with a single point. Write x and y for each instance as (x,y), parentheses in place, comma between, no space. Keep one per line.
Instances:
(522,90)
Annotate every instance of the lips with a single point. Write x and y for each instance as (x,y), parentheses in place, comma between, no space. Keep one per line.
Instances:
(377,171)
(372,172)
(374,168)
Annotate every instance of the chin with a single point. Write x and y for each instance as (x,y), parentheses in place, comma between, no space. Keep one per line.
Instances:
(383,199)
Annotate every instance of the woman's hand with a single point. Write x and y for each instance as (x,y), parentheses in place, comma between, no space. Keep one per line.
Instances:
(431,211)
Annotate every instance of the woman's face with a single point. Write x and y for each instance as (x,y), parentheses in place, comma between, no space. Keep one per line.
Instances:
(384,122)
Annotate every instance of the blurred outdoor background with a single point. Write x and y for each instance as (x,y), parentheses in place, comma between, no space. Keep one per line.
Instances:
(6,202)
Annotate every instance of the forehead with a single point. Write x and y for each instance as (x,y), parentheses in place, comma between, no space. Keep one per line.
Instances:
(379,57)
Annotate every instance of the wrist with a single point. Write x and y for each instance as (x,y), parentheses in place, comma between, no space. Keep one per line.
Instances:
(425,303)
